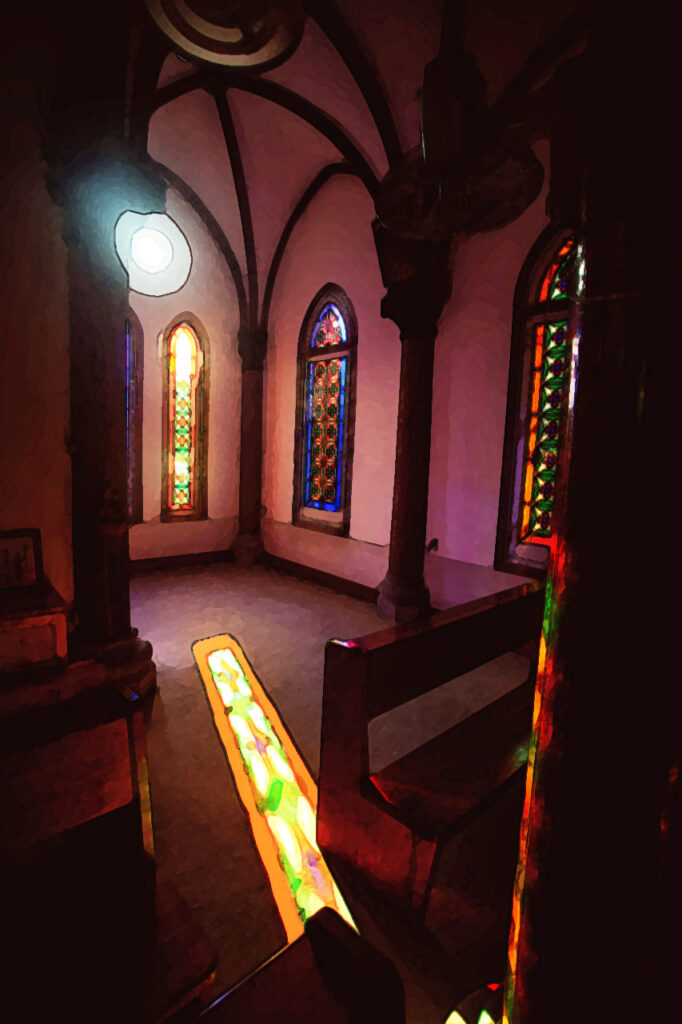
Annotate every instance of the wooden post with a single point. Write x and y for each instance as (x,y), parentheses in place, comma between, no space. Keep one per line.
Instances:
(248,545)
(416,275)
(594,885)
(95,176)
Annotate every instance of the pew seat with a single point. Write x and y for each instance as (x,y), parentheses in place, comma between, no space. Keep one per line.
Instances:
(430,841)
(436,787)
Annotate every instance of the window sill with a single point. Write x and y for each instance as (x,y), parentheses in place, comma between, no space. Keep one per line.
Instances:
(182,517)
(322,524)
(525,560)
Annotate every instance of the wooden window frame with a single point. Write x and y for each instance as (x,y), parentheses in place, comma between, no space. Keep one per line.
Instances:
(200,510)
(318,519)
(511,554)
(135,384)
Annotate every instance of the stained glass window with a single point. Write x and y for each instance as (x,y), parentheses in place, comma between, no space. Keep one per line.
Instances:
(544,335)
(325,411)
(554,284)
(330,328)
(134,375)
(185,428)
(548,393)
(326,362)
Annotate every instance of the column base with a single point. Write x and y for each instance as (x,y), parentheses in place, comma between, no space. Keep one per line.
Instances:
(401,601)
(248,548)
(129,663)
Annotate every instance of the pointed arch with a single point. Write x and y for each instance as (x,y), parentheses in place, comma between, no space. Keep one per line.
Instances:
(536,401)
(185,420)
(325,413)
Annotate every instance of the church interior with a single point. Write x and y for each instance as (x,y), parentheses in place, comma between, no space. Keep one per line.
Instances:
(337,662)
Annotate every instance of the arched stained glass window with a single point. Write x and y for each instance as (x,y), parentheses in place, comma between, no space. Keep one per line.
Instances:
(325,413)
(550,375)
(538,390)
(185,423)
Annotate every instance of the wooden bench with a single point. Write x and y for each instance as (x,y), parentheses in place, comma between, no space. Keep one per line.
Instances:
(456,800)
(329,974)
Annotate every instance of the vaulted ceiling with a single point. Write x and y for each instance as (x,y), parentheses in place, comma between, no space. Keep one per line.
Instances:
(251,149)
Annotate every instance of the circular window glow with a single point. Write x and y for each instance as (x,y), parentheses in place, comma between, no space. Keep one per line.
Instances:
(151,250)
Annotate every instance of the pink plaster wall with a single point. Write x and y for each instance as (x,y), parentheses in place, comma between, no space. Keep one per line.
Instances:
(333,243)
(470,386)
(317,72)
(209,293)
(173,69)
(281,154)
(35,483)
(398,42)
(186,136)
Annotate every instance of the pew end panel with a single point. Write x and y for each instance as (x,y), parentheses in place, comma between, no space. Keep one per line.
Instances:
(396,858)
(452,806)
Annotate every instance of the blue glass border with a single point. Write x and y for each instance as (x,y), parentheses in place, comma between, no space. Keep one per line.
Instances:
(342,325)
(327,506)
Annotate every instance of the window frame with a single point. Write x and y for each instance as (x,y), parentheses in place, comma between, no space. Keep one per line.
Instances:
(200,509)
(134,415)
(337,523)
(512,555)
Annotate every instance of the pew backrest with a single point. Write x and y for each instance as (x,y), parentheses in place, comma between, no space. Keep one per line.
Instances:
(377,672)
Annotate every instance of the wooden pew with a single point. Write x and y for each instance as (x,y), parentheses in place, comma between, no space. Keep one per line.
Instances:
(454,803)
(329,974)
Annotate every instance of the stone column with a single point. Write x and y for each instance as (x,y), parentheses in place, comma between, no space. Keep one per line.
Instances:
(597,904)
(94,175)
(416,275)
(248,545)
(95,189)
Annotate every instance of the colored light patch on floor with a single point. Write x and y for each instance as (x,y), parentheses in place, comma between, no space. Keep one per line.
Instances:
(273,782)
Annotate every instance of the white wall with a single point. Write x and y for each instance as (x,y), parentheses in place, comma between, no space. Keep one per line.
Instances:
(333,243)
(470,386)
(209,294)
(35,483)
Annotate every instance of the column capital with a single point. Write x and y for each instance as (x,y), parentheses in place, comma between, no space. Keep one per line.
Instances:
(252,343)
(413,309)
(417,279)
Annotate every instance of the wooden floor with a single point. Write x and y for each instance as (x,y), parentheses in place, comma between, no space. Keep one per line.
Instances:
(203,842)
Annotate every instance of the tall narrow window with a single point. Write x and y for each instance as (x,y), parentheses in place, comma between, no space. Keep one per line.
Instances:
(538,390)
(551,357)
(134,379)
(185,422)
(325,413)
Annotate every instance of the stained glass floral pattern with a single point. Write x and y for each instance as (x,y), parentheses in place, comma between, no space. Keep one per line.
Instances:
(325,412)
(130,418)
(330,328)
(550,376)
(274,785)
(554,284)
(548,395)
(183,369)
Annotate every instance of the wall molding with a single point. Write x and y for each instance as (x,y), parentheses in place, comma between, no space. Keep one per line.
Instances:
(339,584)
(325,579)
(138,566)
